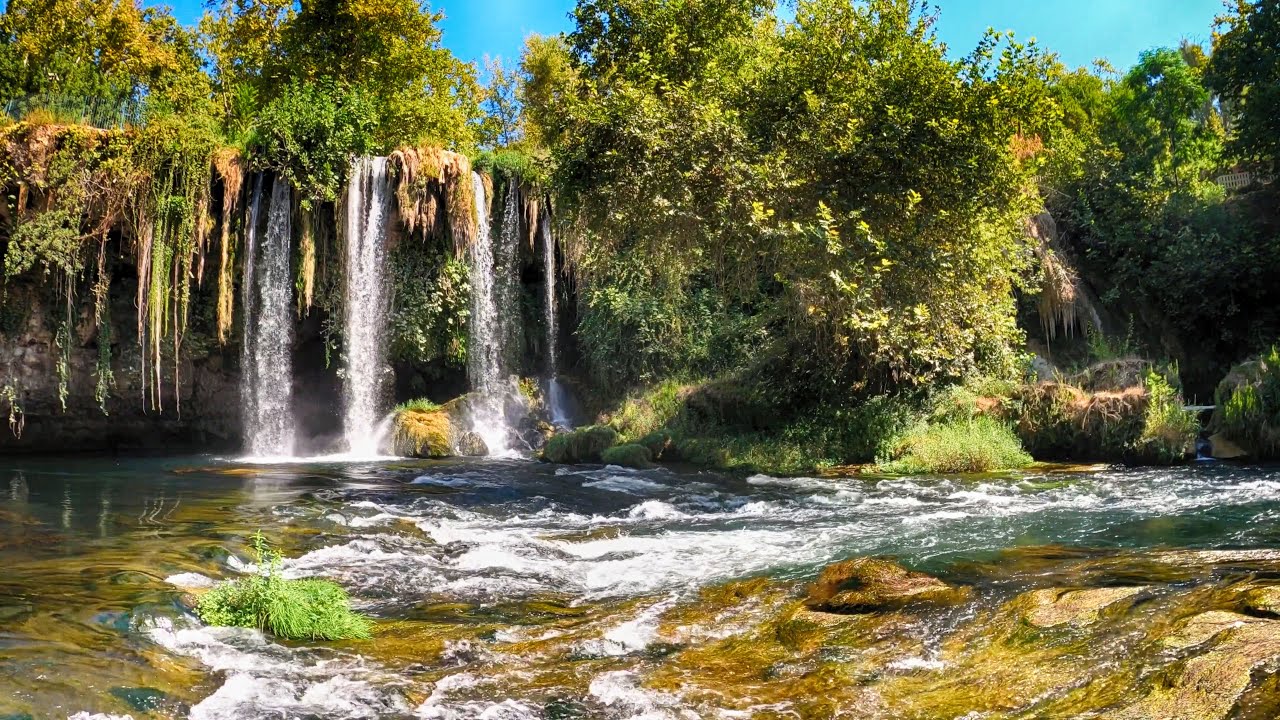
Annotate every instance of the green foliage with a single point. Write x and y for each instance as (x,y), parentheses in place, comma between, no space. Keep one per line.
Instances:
(309,132)
(977,445)
(1249,406)
(1169,432)
(307,609)
(432,303)
(734,174)
(630,455)
(419,405)
(1245,71)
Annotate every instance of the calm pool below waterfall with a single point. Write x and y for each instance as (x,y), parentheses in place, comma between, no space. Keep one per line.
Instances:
(516,589)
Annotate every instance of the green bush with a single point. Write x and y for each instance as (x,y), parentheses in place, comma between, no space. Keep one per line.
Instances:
(1249,406)
(307,609)
(630,455)
(1169,431)
(978,445)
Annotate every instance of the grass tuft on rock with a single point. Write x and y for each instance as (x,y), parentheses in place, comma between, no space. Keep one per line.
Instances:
(631,455)
(306,609)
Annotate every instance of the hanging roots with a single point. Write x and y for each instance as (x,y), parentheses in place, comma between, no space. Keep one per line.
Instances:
(434,190)
(306,284)
(1060,296)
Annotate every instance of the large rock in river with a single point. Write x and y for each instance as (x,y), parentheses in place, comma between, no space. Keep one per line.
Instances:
(870,584)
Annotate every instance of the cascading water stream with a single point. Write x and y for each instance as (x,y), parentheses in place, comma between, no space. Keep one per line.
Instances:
(365,305)
(557,398)
(485,360)
(267,384)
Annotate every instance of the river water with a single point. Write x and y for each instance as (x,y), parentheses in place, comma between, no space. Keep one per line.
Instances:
(510,589)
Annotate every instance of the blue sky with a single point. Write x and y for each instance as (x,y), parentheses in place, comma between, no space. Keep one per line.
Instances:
(1079,30)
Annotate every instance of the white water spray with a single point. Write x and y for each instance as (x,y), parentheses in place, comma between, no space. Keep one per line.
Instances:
(267,359)
(365,304)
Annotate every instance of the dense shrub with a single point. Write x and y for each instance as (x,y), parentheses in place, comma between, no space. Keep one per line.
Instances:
(981,444)
(1248,401)
(307,609)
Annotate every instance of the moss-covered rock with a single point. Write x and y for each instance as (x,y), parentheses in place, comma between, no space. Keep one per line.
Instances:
(870,584)
(424,433)
(1054,607)
(586,445)
(630,455)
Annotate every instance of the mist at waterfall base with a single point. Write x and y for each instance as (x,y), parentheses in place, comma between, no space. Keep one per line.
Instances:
(502,588)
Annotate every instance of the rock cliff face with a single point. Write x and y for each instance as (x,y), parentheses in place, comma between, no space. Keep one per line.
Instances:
(204,413)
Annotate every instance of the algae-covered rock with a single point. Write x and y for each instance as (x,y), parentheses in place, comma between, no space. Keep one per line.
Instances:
(631,455)
(580,446)
(1241,656)
(425,433)
(1053,607)
(1221,447)
(869,584)
(1263,600)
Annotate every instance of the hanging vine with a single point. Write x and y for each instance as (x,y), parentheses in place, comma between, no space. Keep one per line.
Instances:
(229,164)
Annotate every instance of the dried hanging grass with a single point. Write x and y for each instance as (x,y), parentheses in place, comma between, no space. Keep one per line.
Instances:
(230,166)
(307,262)
(434,194)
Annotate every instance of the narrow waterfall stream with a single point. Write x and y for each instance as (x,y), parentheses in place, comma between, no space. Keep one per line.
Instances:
(557,398)
(485,361)
(365,305)
(267,382)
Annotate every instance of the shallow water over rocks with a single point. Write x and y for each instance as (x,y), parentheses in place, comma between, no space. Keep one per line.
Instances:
(506,589)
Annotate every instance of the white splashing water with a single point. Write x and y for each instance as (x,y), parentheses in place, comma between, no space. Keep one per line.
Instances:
(485,364)
(365,304)
(266,385)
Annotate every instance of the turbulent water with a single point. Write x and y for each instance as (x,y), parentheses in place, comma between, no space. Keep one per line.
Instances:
(486,352)
(505,589)
(365,305)
(267,372)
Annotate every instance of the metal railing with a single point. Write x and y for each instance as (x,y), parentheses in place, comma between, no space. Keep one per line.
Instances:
(95,112)
(1241,180)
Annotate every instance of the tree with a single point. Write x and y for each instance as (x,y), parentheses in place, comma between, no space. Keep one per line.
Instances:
(1245,71)
(502,126)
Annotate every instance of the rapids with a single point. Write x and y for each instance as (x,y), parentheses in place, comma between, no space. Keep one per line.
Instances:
(506,589)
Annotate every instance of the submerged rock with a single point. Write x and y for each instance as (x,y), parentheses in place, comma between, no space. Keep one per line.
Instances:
(1053,607)
(869,584)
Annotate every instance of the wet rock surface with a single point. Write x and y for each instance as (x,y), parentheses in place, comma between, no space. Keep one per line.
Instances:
(869,584)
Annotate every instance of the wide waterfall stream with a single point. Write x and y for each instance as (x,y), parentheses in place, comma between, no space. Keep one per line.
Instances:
(507,589)
(365,305)
(267,385)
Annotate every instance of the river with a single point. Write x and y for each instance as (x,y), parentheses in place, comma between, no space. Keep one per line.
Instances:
(513,589)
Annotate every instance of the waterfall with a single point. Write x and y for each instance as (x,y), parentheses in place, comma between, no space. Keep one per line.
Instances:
(489,326)
(267,363)
(557,397)
(365,304)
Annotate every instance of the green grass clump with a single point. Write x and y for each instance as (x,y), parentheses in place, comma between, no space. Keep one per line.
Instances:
(981,444)
(419,405)
(307,609)
(631,455)
(586,445)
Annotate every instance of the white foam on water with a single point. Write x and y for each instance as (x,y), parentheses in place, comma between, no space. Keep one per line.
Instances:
(630,484)
(83,715)
(631,636)
(914,664)
(190,581)
(265,679)
(620,692)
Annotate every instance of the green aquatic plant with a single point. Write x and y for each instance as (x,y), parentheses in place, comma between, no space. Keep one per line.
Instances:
(981,444)
(306,609)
